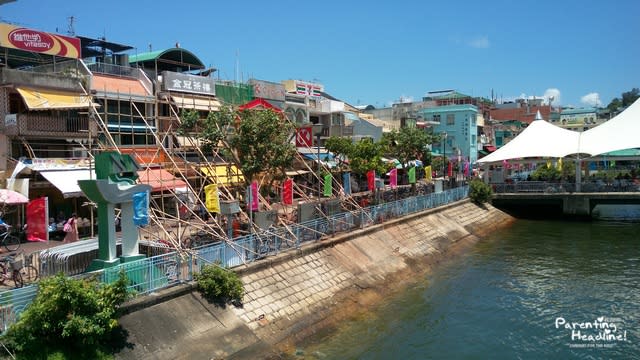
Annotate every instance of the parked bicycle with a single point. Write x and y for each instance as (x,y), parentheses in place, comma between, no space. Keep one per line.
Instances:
(9,241)
(11,268)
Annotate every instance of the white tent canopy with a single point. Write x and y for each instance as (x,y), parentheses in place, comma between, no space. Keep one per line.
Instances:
(620,133)
(542,139)
(539,139)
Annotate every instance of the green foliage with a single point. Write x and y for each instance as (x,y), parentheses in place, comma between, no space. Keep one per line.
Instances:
(408,144)
(367,155)
(479,192)
(341,147)
(219,286)
(628,98)
(70,318)
(261,142)
(552,173)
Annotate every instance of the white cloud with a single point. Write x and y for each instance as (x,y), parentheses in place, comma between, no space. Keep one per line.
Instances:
(554,95)
(591,99)
(480,42)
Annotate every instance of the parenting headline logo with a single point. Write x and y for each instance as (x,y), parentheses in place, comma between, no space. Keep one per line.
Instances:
(601,332)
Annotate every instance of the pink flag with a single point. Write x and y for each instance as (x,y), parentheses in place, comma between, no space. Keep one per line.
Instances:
(393,178)
(253,196)
(466,168)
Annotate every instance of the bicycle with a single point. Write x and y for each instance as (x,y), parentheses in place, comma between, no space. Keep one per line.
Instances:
(21,275)
(9,270)
(9,241)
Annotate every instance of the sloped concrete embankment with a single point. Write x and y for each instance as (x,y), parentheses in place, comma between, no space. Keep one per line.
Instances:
(300,294)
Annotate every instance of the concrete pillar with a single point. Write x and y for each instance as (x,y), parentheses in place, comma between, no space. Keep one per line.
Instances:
(129,231)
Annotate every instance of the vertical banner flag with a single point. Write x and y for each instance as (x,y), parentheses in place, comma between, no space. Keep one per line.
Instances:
(328,186)
(211,198)
(393,178)
(450,169)
(141,208)
(428,173)
(252,198)
(412,175)
(466,169)
(304,137)
(346,183)
(549,164)
(371,180)
(559,164)
(287,191)
(38,219)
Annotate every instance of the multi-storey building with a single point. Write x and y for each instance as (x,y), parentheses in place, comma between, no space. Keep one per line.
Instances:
(457,125)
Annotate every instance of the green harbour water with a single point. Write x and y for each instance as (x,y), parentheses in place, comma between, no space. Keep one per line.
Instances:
(538,289)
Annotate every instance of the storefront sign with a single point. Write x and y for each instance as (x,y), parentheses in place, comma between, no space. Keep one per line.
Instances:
(267,90)
(38,41)
(11,120)
(194,84)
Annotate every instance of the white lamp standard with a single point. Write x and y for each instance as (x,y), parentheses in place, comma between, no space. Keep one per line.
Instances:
(444,153)
(317,131)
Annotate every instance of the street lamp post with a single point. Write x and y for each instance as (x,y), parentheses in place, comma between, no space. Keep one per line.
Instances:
(444,153)
(317,130)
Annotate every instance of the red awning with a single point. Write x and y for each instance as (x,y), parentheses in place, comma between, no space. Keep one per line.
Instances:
(490,148)
(159,179)
(259,103)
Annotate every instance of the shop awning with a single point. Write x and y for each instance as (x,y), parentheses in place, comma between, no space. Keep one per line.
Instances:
(196,103)
(219,174)
(67,180)
(51,100)
(159,179)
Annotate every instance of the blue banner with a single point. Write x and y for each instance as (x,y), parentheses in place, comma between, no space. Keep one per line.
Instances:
(346,183)
(141,208)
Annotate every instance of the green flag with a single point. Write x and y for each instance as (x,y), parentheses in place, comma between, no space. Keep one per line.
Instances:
(412,175)
(328,188)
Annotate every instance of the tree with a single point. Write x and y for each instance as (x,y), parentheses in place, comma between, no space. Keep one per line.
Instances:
(256,140)
(341,147)
(367,155)
(76,318)
(261,142)
(410,143)
(630,97)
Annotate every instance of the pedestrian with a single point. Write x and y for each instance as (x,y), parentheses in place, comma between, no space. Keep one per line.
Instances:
(71,229)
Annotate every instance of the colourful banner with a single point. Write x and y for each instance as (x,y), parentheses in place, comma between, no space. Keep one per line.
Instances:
(393,178)
(559,164)
(412,175)
(328,185)
(20,38)
(287,192)
(304,137)
(141,208)
(428,173)
(450,169)
(211,198)
(346,183)
(371,180)
(38,219)
(466,169)
(252,198)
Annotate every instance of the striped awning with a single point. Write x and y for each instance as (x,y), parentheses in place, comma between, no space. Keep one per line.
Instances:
(52,100)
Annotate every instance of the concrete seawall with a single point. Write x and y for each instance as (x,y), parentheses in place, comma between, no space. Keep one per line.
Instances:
(302,293)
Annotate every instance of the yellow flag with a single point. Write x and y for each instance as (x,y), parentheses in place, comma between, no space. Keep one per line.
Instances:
(427,173)
(211,198)
(549,164)
(560,164)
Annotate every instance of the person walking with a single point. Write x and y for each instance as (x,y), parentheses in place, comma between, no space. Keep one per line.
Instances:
(71,229)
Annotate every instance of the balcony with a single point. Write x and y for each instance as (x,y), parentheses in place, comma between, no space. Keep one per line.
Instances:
(338,130)
(69,79)
(69,125)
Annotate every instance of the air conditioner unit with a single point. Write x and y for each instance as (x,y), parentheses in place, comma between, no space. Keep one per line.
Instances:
(79,153)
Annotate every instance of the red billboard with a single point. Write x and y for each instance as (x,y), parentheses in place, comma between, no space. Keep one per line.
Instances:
(38,41)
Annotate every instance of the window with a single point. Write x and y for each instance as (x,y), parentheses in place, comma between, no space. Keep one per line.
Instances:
(436,118)
(451,119)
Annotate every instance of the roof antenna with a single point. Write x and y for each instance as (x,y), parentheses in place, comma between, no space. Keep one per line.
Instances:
(70,30)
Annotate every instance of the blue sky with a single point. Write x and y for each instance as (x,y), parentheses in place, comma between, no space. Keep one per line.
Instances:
(367,52)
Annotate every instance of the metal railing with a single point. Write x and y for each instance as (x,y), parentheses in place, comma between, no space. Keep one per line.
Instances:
(621,185)
(161,271)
